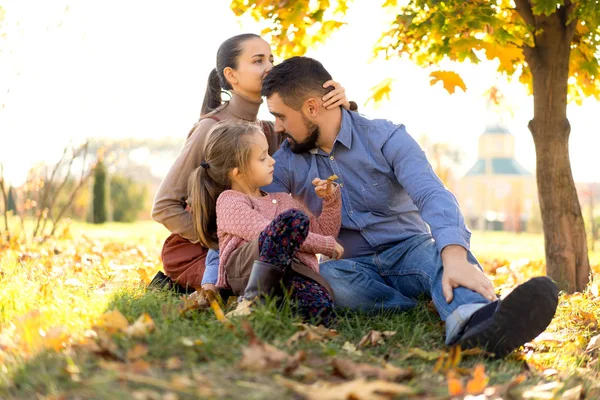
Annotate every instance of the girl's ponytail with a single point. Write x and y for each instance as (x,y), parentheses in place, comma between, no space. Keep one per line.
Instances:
(212,96)
(204,191)
(227,146)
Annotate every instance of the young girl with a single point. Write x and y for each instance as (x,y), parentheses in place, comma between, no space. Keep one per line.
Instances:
(263,237)
(242,62)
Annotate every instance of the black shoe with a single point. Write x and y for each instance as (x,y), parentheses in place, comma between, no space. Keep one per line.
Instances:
(504,325)
(163,282)
(264,280)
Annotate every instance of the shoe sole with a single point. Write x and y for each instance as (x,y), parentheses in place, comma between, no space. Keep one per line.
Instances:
(523,315)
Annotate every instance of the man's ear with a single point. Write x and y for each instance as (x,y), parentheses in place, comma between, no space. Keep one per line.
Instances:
(230,75)
(311,107)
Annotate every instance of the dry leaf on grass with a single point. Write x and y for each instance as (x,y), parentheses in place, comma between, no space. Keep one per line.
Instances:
(358,389)
(350,370)
(455,385)
(261,356)
(420,353)
(593,345)
(373,338)
(174,363)
(141,327)
(113,321)
(311,333)
(137,351)
(351,348)
(479,381)
(243,309)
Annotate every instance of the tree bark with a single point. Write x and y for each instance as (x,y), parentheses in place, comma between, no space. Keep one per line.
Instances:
(565,241)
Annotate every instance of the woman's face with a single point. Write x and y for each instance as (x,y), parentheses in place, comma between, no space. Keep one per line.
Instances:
(254,62)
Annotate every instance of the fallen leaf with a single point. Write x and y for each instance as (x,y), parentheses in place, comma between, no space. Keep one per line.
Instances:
(350,370)
(358,389)
(455,386)
(141,327)
(575,393)
(479,382)
(351,348)
(374,338)
(113,321)
(311,333)
(259,355)
(243,309)
(594,344)
(137,351)
(174,363)
(425,355)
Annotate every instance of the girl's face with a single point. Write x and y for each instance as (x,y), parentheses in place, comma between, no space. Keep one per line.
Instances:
(254,62)
(261,166)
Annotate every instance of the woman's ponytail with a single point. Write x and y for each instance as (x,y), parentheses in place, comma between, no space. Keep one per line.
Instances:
(212,96)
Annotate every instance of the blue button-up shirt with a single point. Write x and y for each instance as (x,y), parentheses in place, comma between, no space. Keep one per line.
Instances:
(389,190)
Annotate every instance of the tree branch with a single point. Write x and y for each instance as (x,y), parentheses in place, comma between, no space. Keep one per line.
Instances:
(570,26)
(523,7)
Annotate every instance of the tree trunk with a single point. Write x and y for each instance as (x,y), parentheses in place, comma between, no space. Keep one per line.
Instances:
(564,231)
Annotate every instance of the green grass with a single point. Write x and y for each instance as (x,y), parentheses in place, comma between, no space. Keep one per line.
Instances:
(109,259)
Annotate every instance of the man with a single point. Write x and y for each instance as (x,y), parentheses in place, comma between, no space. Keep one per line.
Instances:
(403,233)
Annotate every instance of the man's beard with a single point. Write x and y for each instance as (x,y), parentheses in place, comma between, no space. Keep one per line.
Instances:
(307,144)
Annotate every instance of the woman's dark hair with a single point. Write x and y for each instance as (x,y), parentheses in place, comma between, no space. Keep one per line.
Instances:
(227,147)
(227,56)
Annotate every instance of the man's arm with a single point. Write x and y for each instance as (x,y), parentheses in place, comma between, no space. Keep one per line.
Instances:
(440,209)
(437,205)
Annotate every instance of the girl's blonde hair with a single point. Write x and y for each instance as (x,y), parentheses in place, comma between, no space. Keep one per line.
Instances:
(227,147)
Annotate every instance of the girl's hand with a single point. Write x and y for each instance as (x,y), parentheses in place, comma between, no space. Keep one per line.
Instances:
(209,286)
(323,187)
(339,251)
(335,98)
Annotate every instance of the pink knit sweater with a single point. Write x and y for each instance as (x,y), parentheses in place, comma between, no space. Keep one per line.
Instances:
(241,219)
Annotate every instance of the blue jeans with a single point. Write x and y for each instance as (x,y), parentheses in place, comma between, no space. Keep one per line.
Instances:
(396,277)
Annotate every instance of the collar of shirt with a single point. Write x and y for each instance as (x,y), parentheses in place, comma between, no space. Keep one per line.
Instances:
(344,136)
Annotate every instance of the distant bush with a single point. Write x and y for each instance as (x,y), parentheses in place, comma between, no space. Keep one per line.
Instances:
(99,212)
(127,198)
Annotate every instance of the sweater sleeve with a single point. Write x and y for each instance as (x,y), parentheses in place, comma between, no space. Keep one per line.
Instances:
(330,220)
(173,191)
(236,216)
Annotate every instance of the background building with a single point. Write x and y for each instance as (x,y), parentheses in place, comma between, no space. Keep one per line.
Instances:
(497,193)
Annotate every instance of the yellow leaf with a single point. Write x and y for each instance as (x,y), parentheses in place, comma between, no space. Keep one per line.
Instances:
(113,321)
(450,80)
(55,338)
(381,90)
(455,386)
(390,3)
(141,327)
(479,382)
(137,351)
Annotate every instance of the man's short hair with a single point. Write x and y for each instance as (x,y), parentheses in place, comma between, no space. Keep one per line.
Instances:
(295,80)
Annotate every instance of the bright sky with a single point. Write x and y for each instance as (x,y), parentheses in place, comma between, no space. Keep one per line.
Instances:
(138,69)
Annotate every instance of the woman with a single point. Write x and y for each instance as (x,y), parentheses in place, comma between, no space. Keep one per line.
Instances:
(242,63)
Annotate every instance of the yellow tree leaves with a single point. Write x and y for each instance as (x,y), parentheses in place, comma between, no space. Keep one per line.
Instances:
(381,90)
(294,25)
(450,79)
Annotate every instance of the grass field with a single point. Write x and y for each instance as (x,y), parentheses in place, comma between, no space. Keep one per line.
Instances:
(76,322)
